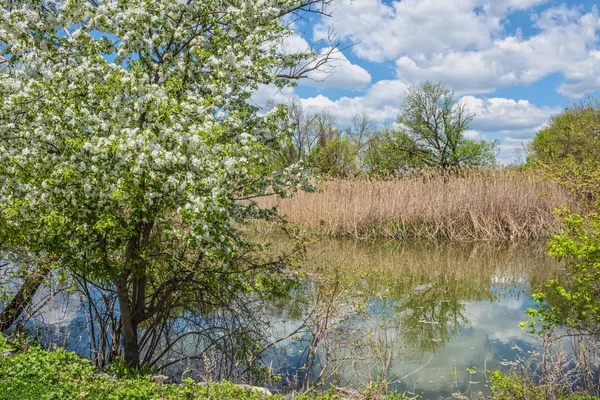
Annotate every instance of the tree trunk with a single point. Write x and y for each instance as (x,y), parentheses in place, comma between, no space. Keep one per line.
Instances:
(24,297)
(132,308)
(129,329)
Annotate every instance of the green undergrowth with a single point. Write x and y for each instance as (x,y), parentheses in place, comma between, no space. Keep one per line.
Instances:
(30,372)
(518,387)
(34,373)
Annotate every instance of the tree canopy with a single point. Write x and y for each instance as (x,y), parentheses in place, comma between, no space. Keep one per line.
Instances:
(573,133)
(432,126)
(129,149)
(567,149)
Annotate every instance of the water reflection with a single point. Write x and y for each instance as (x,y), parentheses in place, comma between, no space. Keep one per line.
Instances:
(417,314)
(450,310)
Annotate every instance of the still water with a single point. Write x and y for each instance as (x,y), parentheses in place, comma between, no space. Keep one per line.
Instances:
(427,318)
(436,316)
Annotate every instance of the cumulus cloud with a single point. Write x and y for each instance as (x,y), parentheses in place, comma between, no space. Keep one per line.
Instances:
(512,149)
(582,78)
(514,118)
(384,31)
(515,121)
(267,96)
(517,118)
(294,44)
(338,73)
(564,45)
(464,43)
(472,134)
(380,102)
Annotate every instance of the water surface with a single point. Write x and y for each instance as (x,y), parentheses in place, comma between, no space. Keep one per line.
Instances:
(439,314)
(428,318)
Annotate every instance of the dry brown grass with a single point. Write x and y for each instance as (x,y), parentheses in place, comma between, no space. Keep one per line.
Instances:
(477,204)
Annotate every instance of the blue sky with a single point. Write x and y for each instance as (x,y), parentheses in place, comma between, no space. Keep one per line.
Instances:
(515,62)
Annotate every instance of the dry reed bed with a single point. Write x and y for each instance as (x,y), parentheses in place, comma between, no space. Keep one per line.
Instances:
(478,204)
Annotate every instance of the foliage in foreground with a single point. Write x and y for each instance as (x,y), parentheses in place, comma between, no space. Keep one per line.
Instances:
(29,372)
(575,300)
(518,387)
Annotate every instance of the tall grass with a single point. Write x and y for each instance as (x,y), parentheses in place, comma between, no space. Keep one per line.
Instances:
(474,204)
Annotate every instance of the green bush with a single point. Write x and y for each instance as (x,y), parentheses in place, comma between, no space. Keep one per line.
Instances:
(334,158)
(572,301)
(518,387)
(567,149)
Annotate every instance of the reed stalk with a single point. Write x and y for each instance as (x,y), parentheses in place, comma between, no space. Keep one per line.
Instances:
(475,204)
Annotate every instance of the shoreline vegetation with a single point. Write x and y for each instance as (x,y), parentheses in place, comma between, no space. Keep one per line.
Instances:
(29,371)
(504,203)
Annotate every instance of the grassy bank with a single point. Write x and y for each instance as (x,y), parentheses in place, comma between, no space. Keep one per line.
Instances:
(520,387)
(478,204)
(29,372)
(32,373)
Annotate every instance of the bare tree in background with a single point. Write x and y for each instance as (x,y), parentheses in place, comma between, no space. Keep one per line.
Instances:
(432,117)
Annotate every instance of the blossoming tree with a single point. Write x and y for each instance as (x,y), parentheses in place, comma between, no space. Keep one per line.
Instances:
(129,148)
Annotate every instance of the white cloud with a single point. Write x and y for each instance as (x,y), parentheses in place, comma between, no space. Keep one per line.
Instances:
(472,134)
(582,78)
(380,102)
(513,118)
(507,116)
(563,46)
(512,149)
(338,73)
(293,44)
(383,31)
(464,44)
(268,96)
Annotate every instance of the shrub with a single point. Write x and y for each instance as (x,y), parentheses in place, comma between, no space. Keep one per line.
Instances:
(30,372)
(519,387)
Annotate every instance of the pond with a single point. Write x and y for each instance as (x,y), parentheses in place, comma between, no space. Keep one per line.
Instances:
(436,315)
(428,318)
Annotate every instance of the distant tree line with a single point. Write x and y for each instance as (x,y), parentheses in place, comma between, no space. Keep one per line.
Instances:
(428,132)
